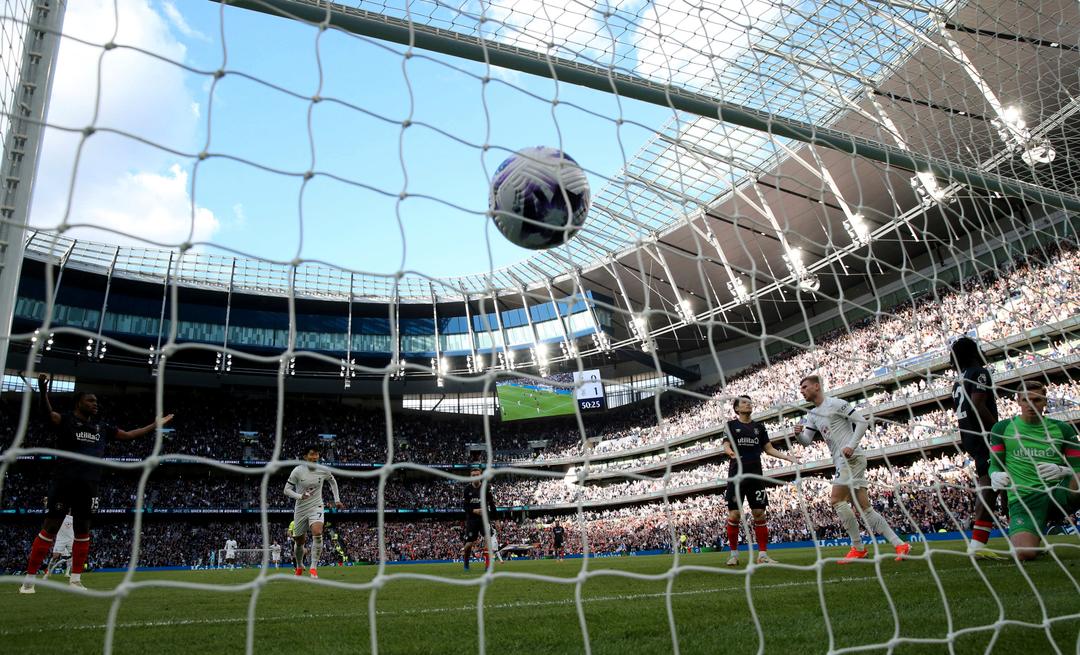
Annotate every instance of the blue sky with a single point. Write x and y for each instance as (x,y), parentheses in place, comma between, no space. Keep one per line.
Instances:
(359,223)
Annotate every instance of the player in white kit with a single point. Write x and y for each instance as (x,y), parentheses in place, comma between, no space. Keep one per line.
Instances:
(842,426)
(230,552)
(61,551)
(275,554)
(305,486)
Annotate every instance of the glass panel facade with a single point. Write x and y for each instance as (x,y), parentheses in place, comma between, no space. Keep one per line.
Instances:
(266,329)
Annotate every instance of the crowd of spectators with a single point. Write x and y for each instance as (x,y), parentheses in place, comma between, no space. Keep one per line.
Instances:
(927,495)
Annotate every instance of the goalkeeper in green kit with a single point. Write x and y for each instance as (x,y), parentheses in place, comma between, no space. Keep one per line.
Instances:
(1037,460)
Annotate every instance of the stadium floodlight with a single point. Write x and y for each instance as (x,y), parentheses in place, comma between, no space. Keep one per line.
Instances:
(292,366)
(793,259)
(601,341)
(858,229)
(347,372)
(737,288)
(1038,151)
(686,311)
(809,282)
(926,186)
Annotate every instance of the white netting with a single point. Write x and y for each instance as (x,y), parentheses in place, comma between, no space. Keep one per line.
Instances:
(779,189)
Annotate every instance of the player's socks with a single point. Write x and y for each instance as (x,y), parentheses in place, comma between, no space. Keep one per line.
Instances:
(316,551)
(850,523)
(298,556)
(40,549)
(80,549)
(733,535)
(761,534)
(487,560)
(980,533)
(878,524)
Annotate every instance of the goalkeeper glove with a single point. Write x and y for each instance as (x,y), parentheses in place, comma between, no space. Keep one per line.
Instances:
(1050,472)
(1000,481)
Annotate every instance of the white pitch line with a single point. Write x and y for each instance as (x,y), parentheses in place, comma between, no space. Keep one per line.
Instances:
(421,611)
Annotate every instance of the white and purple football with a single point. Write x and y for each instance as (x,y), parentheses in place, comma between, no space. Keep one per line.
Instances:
(539,198)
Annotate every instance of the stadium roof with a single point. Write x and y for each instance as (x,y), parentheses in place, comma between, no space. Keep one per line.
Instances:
(707,209)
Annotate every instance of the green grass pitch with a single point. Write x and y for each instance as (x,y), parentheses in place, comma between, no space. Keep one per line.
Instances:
(711,608)
(516,403)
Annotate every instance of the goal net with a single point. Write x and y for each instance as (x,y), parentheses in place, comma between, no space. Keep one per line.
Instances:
(804,379)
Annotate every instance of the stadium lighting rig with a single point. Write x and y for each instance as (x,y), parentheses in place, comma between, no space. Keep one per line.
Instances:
(858,229)
(222,364)
(439,368)
(347,372)
(48,342)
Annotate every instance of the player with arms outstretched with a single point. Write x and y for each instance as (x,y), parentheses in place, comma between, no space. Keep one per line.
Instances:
(842,426)
(73,487)
(976,412)
(750,439)
(474,504)
(1038,460)
(305,486)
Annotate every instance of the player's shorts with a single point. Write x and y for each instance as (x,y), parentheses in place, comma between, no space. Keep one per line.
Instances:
(80,497)
(1029,512)
(752,489)
(975,445)
(474,529)
(850,472)
(303,522)
(62,547)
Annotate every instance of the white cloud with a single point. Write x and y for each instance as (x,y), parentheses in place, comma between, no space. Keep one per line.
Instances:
(119,182)
(178,21)
(148,204)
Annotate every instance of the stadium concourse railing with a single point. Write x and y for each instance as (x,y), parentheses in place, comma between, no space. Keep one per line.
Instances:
(907,373)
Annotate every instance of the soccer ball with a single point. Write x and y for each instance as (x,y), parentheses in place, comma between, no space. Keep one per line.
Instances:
(539,198)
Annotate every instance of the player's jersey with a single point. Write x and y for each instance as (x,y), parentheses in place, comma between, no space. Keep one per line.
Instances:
(837,422)
(750,440)
(558,533)
(1017,446)
(65,537)
(83,437)
(307,481)
(230,548)
(472,501)
(275,552)
(973,380)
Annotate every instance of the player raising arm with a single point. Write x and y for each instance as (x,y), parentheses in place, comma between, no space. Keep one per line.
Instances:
(750,439)
(305,486)
(73,487)
(842,427)
(1037,459)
